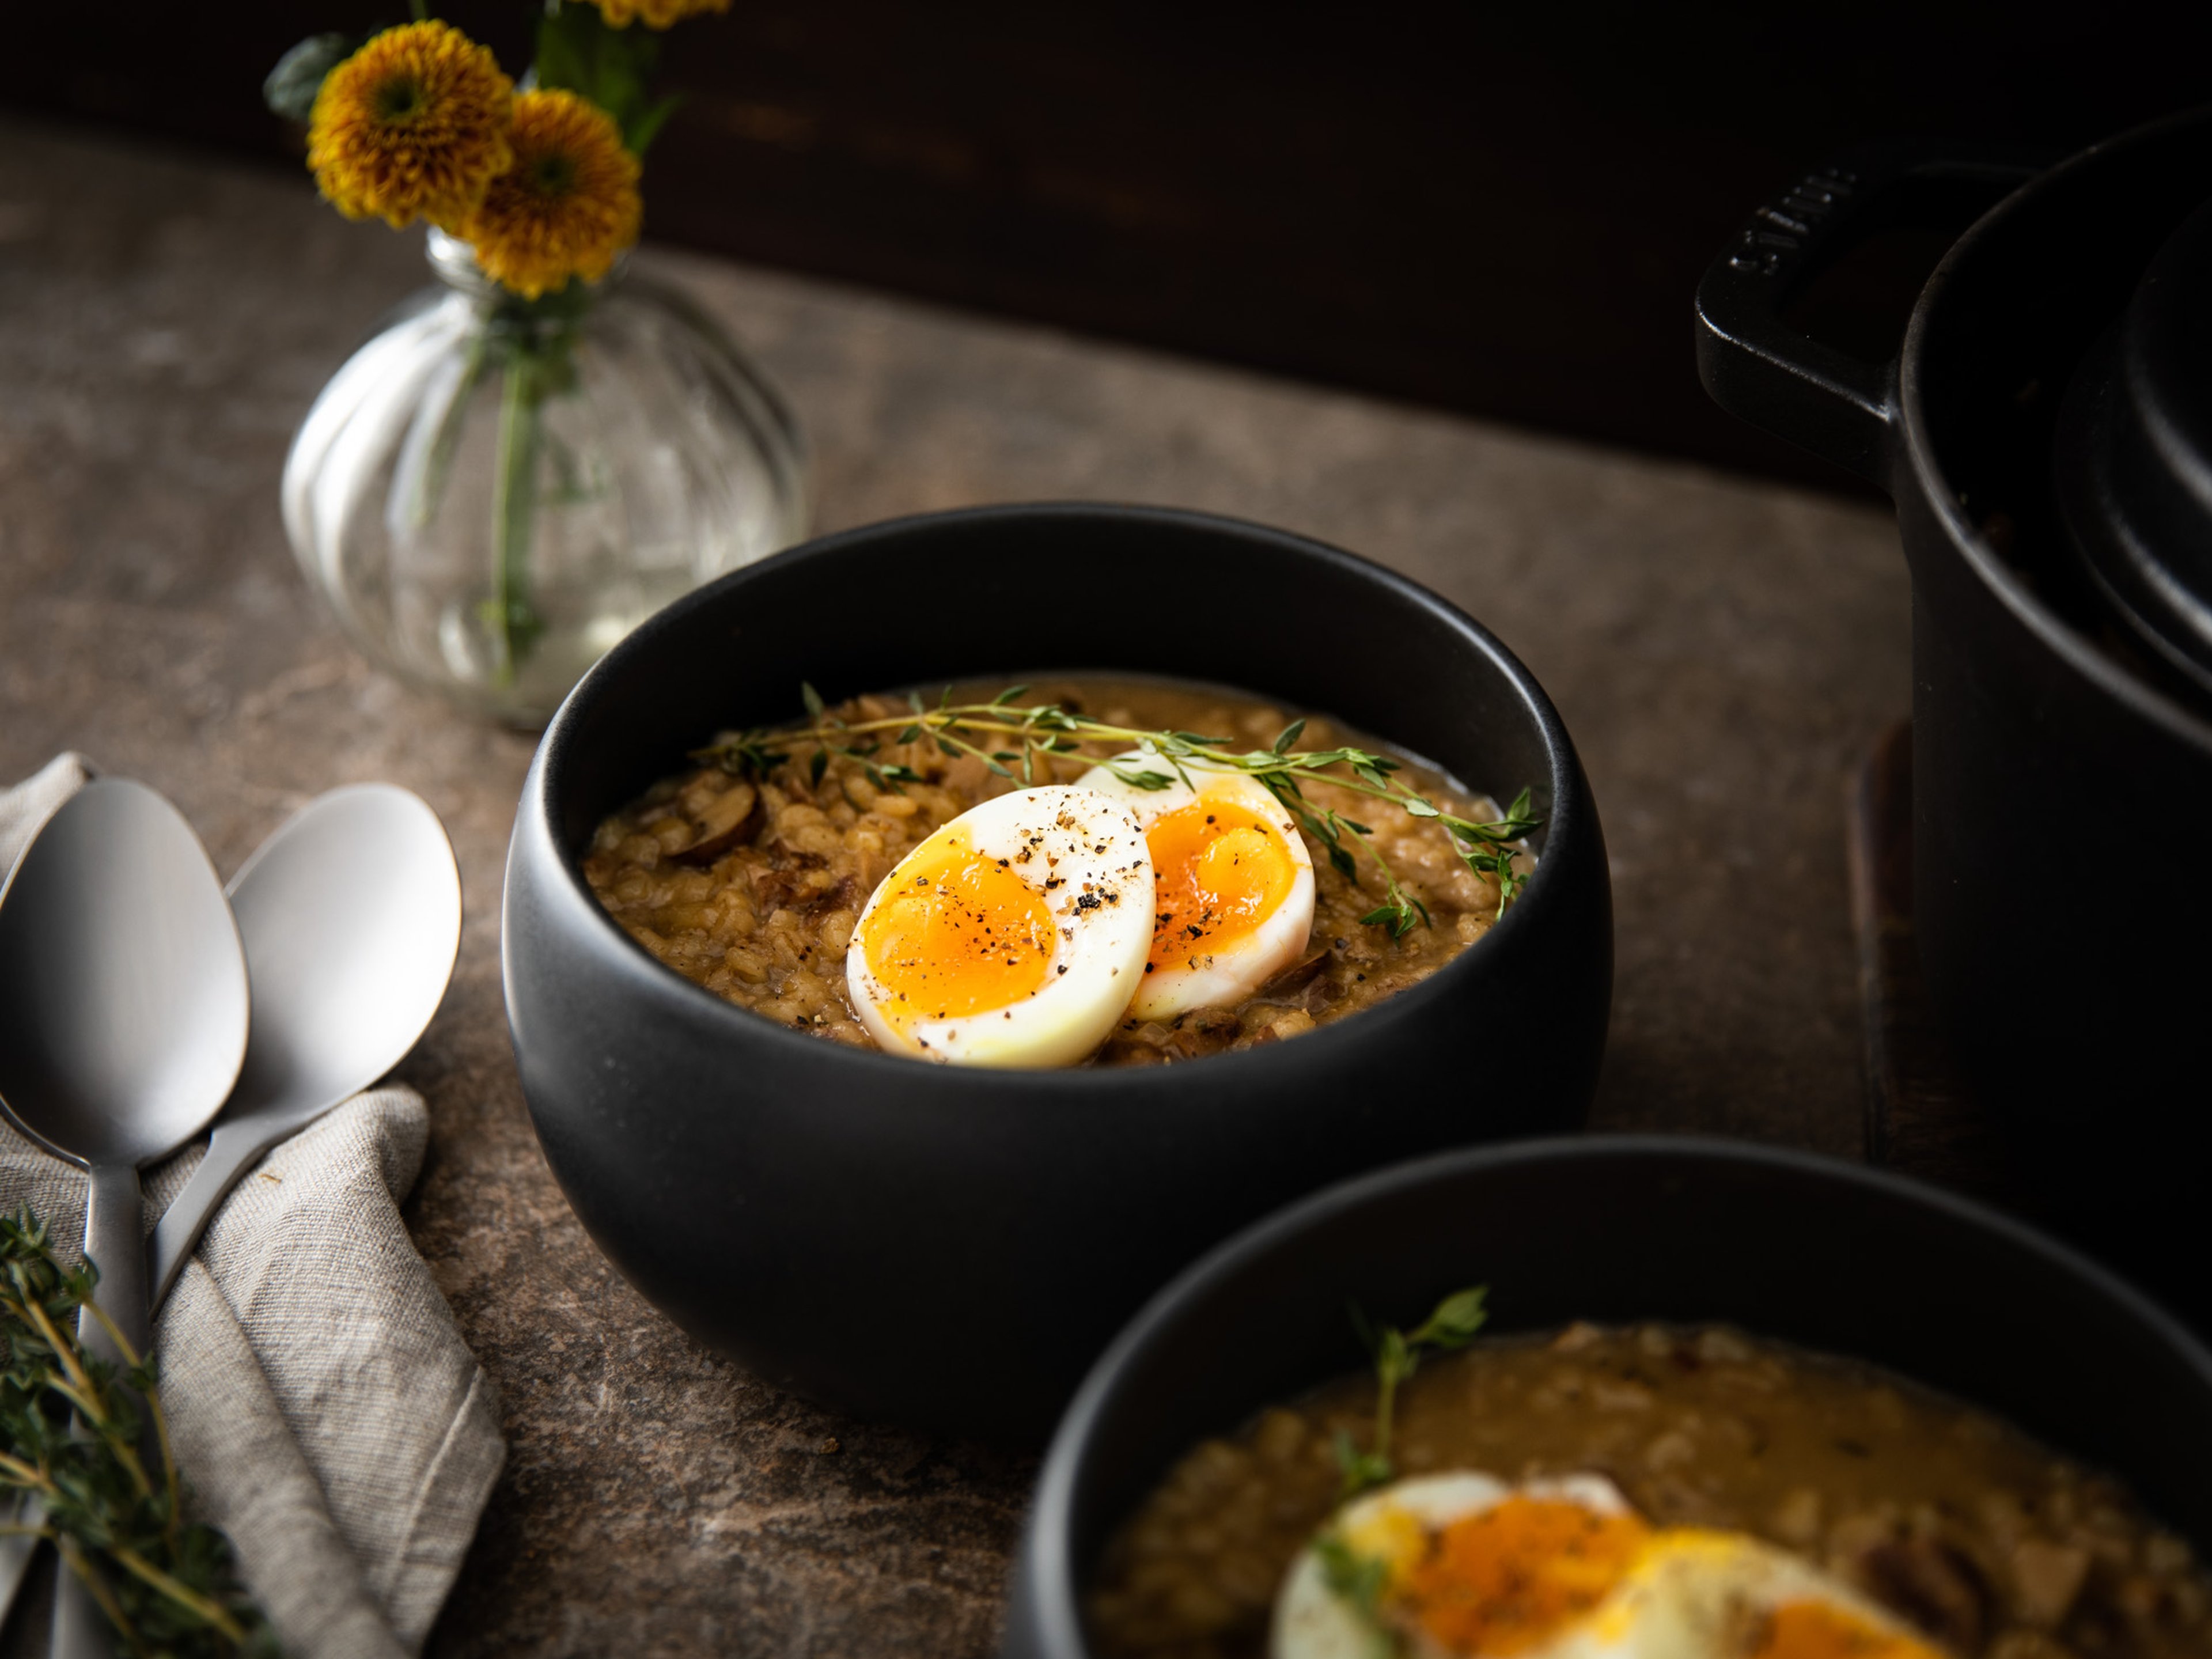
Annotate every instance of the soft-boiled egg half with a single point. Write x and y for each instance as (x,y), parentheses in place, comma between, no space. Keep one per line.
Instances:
(1233,888)
(1465,1565)
(1013,936)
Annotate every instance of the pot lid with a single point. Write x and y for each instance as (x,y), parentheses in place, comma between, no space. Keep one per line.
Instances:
(2135,455)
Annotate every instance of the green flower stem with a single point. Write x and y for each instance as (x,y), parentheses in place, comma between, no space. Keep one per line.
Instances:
(438,465)
(515,621)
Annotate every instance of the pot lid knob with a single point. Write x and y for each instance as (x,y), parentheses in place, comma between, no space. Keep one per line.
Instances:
(2135,454)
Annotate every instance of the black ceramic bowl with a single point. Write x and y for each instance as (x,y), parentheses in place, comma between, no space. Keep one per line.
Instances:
(951,1246)
(1620,1229)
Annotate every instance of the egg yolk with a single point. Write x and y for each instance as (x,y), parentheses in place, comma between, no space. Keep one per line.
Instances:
(1219,869)
(960,934)
(1501,1581)
(1813,1630)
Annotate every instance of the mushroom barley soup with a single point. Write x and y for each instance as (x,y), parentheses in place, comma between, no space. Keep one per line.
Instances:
(1032,882)
(1646,1494)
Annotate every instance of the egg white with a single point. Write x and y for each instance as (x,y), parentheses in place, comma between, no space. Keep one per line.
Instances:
(1312,1621)
(1227,972)
(1085,855)
(1690,1593)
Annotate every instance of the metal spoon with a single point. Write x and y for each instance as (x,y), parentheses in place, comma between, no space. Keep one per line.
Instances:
(123,1023)
(351,916)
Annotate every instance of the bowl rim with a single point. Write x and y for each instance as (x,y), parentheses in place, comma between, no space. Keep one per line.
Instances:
(1572,803)
(1045,1570)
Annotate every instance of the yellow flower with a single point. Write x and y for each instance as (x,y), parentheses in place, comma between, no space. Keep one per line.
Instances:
(657,14)
(569,204)
(414,125)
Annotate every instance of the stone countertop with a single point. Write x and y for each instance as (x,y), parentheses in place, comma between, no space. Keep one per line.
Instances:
(1725,652)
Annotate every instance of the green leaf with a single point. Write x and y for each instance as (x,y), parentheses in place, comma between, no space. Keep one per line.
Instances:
(910,733)
(1419,808)
(1358,1579)
(1289,736)
(1345,866)
(1007,696)
(291,87)
(813,699)
(639,134)
(1455,1320)
(1146,779)
(818,765)
(946,746)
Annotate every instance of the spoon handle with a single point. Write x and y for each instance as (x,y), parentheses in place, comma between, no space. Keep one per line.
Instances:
(231,1152)
(17,1548)
(114,1238)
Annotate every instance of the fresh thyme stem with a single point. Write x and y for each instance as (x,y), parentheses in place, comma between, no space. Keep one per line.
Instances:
(515,501)
(1048,730)
(167,1584)
(1453,1325)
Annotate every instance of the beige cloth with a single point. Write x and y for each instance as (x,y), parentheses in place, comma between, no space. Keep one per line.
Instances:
(325,1408)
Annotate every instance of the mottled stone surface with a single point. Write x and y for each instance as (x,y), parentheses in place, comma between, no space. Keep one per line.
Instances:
(1723,652)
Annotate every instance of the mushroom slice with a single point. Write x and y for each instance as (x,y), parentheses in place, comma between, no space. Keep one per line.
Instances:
(730,817)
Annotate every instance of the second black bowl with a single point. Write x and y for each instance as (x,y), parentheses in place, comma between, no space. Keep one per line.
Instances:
(1620,1230)
(952,1246)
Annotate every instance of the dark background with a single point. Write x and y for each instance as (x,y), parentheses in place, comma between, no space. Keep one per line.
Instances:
(1497,209)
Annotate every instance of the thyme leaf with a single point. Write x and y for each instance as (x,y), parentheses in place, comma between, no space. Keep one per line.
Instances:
(1359,1580)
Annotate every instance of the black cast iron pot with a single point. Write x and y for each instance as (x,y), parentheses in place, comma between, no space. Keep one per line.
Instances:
(1618,1230)
(952,1246)
(2062,769)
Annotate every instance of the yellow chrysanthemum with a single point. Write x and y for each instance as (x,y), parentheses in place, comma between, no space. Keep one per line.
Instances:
(568,205)
(655,13)
(414,125)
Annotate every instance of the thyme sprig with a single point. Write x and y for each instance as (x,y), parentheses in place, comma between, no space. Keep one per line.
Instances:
(1452,1326)
(167,1585)
(1011,739)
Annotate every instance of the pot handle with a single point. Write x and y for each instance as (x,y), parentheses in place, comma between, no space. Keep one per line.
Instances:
(1759,367)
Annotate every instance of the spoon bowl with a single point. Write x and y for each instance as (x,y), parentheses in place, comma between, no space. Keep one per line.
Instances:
(123,989)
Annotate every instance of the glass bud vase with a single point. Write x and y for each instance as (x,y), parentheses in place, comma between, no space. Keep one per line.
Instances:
(494,490)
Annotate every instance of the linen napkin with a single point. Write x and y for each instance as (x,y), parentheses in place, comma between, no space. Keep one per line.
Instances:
(324,1408)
